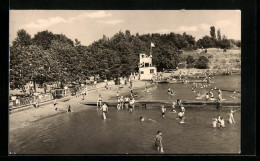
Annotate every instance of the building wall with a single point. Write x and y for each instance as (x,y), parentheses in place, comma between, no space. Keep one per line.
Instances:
(145,73)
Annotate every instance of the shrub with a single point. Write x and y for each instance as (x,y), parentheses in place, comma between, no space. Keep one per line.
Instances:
(202,63)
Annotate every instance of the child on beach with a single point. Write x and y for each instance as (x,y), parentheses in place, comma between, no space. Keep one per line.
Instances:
(163,111)
(231,116)
(104,109)
(99,102)
(158,141)
(234,94)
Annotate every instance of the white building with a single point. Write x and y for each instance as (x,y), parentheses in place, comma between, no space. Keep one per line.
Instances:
(146,69)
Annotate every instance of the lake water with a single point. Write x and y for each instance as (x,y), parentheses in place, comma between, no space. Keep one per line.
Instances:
(87,133)
(122,133)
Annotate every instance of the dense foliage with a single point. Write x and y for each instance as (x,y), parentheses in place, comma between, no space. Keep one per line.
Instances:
(49,57)
(202,63)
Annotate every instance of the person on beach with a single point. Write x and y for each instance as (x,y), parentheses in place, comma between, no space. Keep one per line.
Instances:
(132,105)
(99,102)
(234,94)
(69,106)
(127,102)
(231,116)
(163,110)
(36,103)
(104,109)
(219,95)
(117,95)
(207,97)
(158,141)
(211,95)
(122,102)
(198,96)
(131,92)
(54,104)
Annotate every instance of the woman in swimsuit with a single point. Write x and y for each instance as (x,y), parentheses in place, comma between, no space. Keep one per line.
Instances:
(104,109)
(158,141)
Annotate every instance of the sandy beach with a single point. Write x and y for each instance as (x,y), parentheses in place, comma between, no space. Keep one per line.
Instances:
(23,118)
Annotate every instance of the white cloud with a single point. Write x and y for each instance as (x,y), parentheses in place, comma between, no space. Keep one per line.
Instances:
(187,28)
(223,23)
(111,22)
(44,23)
(205,26)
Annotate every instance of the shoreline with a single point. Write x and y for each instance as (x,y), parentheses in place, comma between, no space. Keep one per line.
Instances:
(21,118)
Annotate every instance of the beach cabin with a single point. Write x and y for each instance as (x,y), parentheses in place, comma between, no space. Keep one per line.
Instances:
(146,69)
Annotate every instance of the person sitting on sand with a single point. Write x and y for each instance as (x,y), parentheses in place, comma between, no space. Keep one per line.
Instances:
(163,110)
(158,141)
(198,95)
(99,102)
(231,116)
(211,95)
(104,109)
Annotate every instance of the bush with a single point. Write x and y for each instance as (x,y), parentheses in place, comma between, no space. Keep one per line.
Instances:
(190,65)
(202,63)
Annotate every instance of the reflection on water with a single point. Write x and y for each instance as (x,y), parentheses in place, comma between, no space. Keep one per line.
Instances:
(87,133)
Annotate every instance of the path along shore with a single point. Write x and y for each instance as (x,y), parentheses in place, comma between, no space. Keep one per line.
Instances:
(22,118)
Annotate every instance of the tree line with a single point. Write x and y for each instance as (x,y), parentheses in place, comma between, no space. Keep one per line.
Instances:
(48,57)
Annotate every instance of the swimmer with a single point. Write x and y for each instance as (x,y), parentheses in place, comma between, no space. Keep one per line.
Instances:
(142,119)
(181,116)
(163,110)
(158,141)
(178,102)
(222,123)
(231,116)
(104,110)
(99,102)
(122,102)
(132,105)
(54,104)
(182,109)
(214,123)
(118,104)
(127,102)
(173,107)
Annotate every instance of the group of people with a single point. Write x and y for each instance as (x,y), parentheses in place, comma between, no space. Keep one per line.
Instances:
(220,122)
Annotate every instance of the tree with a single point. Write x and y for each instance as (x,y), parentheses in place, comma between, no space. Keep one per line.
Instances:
(190,61)
(22,39)
(206,42)
(202,63)
(212,32)
(219,34)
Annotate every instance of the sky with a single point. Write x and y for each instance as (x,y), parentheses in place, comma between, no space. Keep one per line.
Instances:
(90,25)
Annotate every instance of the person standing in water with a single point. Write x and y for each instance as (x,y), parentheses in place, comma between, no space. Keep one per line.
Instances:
(173,107)
(158,141)
(231,116)
(122,102)
(163,110)
(127,102)
(99,102)
(132,105)
(118,103)
(104,109)
(54,104)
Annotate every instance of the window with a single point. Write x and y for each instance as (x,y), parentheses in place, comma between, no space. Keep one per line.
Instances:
(146,65)
(152,71)
(142,56)
(142,72)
